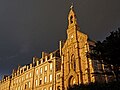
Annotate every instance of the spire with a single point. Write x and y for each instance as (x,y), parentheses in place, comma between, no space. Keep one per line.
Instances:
(72,17)
(72,23)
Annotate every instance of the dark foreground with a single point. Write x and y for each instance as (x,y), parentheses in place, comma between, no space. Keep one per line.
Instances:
(97,86)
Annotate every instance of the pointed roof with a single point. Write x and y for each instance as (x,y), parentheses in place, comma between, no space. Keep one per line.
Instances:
(71,16)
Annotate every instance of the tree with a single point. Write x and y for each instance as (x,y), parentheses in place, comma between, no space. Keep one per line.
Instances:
(109,51)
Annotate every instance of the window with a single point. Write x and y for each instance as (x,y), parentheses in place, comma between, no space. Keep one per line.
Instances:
(26,85)
(71,19)
(40,70)
(45,79)
(40,81)
(30,74)
(22,78)
(50,88)
(37,72)
(45,68)
(50,66)
(29,84)
(26,76)
(36,82)
(21,71)
(50,77)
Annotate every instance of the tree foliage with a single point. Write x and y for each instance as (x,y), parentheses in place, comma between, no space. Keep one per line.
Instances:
(109,50)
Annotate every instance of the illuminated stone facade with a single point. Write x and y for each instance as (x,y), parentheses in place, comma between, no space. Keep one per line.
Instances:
(60,69)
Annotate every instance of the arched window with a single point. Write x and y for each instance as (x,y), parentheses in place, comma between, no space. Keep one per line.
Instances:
(71,19)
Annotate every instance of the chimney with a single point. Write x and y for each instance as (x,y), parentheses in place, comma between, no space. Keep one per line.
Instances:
(61,43)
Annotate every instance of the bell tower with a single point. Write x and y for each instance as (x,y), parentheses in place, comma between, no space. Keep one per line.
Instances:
(74,62)
(70,51)
(72,17)
(72,23)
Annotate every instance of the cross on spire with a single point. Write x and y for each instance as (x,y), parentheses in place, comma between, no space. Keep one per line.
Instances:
(71,6)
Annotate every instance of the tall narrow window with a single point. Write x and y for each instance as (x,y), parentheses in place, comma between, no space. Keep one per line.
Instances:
(30,74)
(50,88)
(26,76)
(37,72)
(45,68)
(45,79)
(50,66)
(29,84)
(40,70)
(36,82)
(50,77)
(26,85)
(40,81)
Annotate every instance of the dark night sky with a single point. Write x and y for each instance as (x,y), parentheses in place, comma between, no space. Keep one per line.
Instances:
(28,27)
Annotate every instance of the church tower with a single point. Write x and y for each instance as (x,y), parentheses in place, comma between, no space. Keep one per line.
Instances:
(76,67)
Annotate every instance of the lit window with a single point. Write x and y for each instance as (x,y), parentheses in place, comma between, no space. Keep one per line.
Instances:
(40,70)
(29,84)
(26,76)
(45,68)
(37,71)
(50,77)
(30,74)
(50,66)
(45,79)
(40,81)
(36,82)
(51,88)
